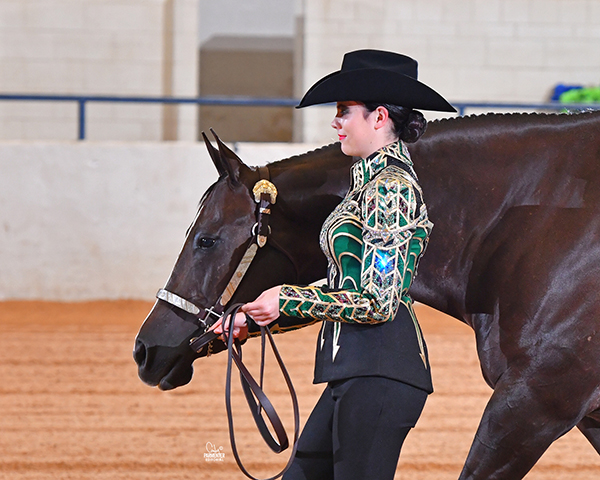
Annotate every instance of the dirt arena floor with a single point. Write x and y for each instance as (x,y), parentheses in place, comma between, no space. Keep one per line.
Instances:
(72,406)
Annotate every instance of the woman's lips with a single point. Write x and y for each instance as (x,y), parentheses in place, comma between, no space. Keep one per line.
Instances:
(341,137)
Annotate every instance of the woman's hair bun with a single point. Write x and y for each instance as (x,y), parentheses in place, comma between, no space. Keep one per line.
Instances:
(415,127)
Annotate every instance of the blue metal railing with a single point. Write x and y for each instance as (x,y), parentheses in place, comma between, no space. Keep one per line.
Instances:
(83,100)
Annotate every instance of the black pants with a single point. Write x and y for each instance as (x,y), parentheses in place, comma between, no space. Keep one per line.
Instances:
(356,430)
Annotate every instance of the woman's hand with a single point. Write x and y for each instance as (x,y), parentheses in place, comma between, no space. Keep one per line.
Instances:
(265,309)
(240,326)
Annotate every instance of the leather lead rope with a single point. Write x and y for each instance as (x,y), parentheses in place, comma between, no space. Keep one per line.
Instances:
(256,398)
(265,194)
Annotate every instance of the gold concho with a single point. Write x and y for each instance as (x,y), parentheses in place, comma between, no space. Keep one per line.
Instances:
(264,186)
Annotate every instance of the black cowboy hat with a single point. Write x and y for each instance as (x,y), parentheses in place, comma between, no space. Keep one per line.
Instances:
(376,76)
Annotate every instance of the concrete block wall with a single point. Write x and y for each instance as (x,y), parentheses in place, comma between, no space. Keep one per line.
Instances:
(106,47)
(468,50)
(87,220)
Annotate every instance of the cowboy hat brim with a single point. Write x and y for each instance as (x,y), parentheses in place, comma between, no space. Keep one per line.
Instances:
(374,85)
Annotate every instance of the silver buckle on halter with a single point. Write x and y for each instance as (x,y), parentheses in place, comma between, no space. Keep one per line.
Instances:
(263,187)
(209,312)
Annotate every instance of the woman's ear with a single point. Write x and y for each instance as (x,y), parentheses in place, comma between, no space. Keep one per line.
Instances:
(381,117)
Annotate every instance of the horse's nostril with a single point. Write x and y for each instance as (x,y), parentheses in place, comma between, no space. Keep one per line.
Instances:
(139,353)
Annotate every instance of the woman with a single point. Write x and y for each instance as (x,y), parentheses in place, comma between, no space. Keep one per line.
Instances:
(370,350)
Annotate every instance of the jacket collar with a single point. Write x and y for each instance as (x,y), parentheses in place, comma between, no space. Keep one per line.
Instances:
(364,169)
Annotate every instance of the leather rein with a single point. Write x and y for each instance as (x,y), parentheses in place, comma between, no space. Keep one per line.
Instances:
(265,194)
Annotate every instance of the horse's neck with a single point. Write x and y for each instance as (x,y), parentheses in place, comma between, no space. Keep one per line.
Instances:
(468,183)
(474,170)
(310,186)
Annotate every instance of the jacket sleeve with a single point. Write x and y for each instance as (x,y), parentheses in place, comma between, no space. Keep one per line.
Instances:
(393,232)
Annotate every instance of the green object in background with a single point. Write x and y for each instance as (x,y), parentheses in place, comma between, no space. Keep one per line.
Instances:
(581,95)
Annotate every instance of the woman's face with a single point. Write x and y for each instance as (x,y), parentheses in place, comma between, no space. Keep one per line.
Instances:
(355,129)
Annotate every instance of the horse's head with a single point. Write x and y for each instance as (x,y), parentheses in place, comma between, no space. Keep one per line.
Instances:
(309,187)
(215,243)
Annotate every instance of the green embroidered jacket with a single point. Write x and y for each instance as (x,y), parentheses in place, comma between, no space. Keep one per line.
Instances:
(373,241)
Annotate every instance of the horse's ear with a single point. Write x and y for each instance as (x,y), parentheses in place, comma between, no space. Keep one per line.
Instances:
(232,163)
(215,156)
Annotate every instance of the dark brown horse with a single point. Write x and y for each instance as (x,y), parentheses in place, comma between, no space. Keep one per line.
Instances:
(515,253)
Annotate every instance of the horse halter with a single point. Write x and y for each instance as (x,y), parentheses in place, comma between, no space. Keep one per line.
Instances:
(265,194)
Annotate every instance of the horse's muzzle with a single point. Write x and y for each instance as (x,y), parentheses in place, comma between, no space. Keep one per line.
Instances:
(161,366)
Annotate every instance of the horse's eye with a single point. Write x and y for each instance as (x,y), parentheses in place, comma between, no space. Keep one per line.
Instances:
(205,242)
